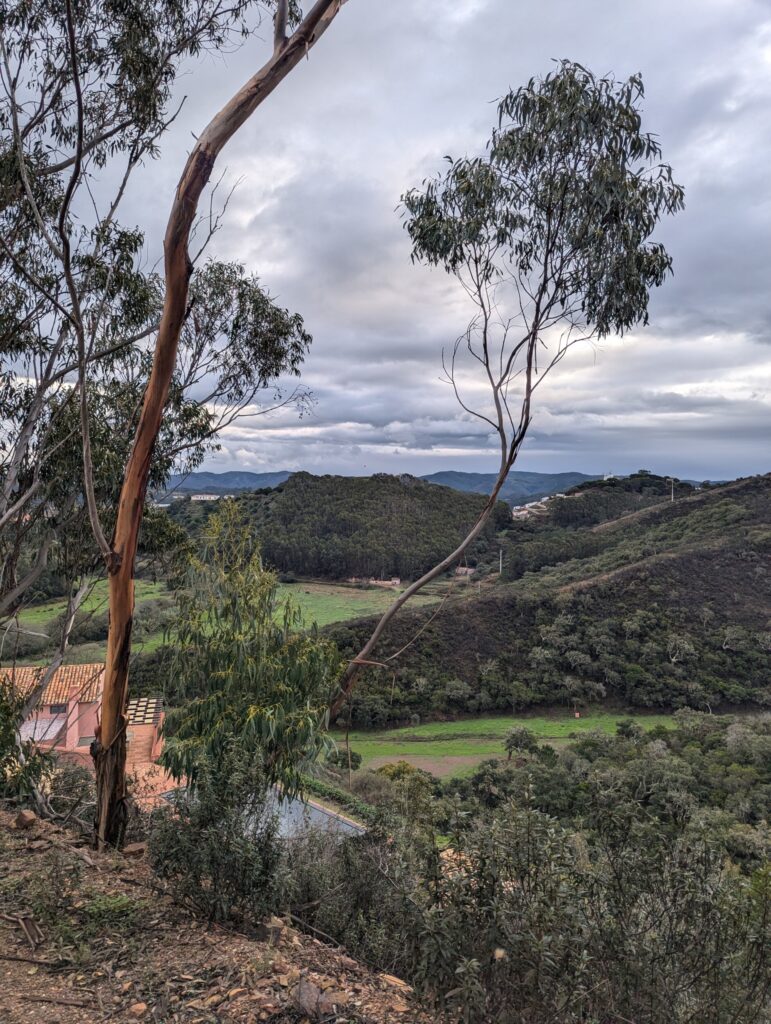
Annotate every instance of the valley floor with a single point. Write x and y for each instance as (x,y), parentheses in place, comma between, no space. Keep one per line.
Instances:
(455,748)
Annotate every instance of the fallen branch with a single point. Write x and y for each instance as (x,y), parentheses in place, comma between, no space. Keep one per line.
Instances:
(61,1001)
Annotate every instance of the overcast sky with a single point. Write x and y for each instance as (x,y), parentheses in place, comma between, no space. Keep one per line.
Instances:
(391,88)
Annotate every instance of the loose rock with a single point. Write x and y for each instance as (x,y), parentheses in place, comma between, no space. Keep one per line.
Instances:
(135,850)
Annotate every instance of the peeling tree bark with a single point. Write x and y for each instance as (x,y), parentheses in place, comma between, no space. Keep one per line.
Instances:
(109,748)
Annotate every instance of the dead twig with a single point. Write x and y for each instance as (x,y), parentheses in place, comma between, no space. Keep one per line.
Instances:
(29,926)
(29,960)
(61,1001)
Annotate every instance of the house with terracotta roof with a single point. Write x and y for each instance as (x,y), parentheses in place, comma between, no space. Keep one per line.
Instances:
(67,715)
(67,712)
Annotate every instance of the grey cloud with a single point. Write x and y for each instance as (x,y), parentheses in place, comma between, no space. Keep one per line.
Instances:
(389,90)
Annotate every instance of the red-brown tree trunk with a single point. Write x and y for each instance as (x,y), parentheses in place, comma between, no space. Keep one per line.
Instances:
(109,747)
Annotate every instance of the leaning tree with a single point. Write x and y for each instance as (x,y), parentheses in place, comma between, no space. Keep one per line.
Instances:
(87,92)
(549,234)
(110,749)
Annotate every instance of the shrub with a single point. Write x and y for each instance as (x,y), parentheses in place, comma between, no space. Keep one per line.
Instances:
(343,758)
(23,767)
(373,788)
(528,924)
(347,890)
(358,808)
(218,850)
(71,788)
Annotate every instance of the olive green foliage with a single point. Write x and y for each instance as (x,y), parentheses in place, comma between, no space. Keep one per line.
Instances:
(713,769)
(335,527)
(23,767)
(526,923)
(344,758)
(623,878)
(242,673)
(217,849)
(668,606)
(353,891)
(88,96)
(565,201)
(520,738)
(359,808)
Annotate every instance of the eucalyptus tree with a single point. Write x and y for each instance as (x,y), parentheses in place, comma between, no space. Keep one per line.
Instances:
(293,37)
(549,235)
(245,675)
(87,89)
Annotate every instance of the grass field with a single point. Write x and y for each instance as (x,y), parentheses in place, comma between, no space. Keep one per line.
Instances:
(455,748)
(322,603)
(40,615)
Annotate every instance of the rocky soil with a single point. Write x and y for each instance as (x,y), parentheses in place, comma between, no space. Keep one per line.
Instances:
(88,937)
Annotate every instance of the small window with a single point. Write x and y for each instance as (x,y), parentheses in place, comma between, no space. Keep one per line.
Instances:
(58,709)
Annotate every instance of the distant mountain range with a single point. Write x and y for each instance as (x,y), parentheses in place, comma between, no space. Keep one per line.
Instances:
(224,483)
(520,487)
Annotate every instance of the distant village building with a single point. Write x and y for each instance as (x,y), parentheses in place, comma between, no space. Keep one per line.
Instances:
(465,570)
(363,581)
(532,507)
(209,497)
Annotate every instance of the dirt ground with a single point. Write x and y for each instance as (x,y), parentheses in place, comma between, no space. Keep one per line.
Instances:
(441,767)
(87,938)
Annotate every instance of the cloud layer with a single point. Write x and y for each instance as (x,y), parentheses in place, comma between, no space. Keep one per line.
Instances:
(387,93)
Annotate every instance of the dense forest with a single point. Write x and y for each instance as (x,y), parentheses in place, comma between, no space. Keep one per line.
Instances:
(668,605)
(336,527)
(620,877)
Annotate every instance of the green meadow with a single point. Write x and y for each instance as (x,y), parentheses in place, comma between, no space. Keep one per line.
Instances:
(322,603)
(453,748)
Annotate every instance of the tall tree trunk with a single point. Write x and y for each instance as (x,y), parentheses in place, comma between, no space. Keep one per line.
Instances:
(109,747)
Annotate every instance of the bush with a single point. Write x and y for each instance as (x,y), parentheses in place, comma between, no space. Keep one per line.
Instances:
(346,890)
(358,808)
(72,789)
(218,849)
(373,788)
(528,924)
(23,767)
(344,758)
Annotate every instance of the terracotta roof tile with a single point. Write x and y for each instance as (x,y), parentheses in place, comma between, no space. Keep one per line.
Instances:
(69,682)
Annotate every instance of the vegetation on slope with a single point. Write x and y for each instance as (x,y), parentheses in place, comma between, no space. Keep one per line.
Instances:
(336,527)
(672,608)
(520,486)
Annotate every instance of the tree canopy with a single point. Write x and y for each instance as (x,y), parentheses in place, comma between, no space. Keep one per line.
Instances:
(243,668)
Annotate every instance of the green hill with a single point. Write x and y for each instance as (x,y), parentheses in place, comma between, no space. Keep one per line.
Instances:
(334,527)
(668,604)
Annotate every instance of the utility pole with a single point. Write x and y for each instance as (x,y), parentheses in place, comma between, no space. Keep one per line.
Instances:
(500,561)
(670,480)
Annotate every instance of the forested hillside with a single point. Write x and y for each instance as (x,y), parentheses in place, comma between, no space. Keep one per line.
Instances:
(663,607)
(336,527)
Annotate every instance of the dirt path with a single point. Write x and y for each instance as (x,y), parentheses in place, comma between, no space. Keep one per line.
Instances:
(437,765)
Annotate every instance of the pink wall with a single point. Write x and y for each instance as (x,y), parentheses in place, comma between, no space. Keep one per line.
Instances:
(158,740)
(81,721)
